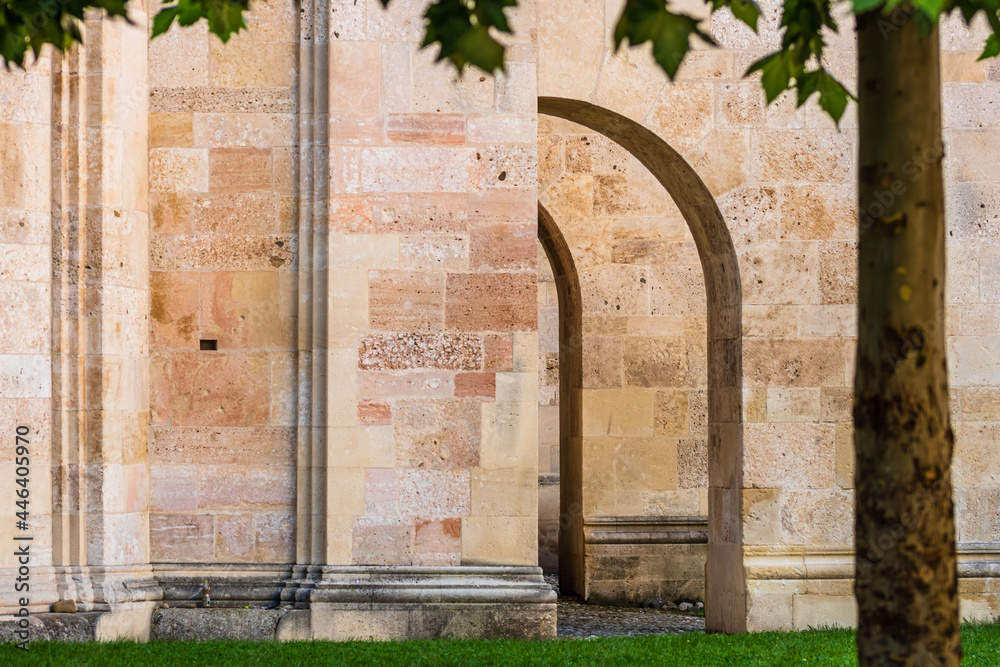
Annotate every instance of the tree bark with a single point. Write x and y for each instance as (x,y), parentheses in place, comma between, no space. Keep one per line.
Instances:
(906,578)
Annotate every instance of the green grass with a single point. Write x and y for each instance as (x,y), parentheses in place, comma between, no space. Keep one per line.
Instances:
(814,648)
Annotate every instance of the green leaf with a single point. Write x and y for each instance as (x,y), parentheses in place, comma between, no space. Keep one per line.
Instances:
(992,49)
(775,74)
(164,19)
(862,6)
(833,96)
(670,34)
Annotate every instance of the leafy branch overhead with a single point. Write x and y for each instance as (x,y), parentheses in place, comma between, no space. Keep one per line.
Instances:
(469,32)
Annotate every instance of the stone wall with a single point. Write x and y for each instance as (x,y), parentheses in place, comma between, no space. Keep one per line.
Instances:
(222,156)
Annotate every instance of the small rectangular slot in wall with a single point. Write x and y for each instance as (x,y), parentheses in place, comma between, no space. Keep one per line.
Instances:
(210,345)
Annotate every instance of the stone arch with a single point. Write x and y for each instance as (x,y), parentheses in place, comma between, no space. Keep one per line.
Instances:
(725,579)
(571,546)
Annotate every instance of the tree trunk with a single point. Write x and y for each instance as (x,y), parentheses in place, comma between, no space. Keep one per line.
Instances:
(906,578)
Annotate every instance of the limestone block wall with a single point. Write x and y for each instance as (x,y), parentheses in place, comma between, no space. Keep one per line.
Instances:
(973,206)
(25,319)
(644,357)
(432,402)
(222,161)
(783,179)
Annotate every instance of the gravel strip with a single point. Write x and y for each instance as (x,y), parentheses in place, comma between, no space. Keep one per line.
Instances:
(576,620)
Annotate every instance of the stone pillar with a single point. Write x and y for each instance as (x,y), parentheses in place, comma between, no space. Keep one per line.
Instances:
(101,322)
(417,457)
(26,325)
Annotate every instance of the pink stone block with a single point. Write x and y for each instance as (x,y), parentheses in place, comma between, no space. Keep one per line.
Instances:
(220,389)
(406,300)
(503,246)
(401,384)
(443,434)
(381,492)
(437,542)
(426,128)
(181,538)
(492,302)
(173,309)
(410,350)
(374,413)
(246,487)
(483,385)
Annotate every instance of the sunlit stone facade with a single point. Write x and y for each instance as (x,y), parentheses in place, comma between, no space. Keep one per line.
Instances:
(308,318)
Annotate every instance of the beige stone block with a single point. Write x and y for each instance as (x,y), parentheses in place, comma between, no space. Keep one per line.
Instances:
(570,61)
(974,319)
(976,461)
(509,435)
(434,493)
(671,412)
(755,405)
(680,502)
(619,412)
(221,445)
(740,104)
(838,271)
(245,62)
(240,170)
(819,611)
(417,169)
(178,170)
(166,70)
(516,387)
(364,252)
(339,540)
(654,361)
(408,384)
(504,493)
(804,155)
(360,447)
(433,251)
(761,516)
(170,130)
(181,538)
(793,405)
(722,160)
(246,487)
(407,301)
(817,362)
(980,403)
(452,433)
(817,516)
(770,321)
(769,613)
(647,464)
(345,492)
(962,67)
(789,455)
(525,353)
(836,404)
(818,212)
(437,541)
(781,273)
(499,540)
(965,150)
(348,314)
(382,541)
(973,360)
(683,115)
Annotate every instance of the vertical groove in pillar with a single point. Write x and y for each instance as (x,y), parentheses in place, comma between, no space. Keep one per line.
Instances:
(313,192)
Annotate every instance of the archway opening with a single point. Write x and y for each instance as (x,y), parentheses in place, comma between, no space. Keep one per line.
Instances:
(725,592)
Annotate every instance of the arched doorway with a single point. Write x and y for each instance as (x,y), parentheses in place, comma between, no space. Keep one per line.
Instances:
(725,592)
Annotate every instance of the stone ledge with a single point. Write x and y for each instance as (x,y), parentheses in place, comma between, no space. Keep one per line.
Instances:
(646,530)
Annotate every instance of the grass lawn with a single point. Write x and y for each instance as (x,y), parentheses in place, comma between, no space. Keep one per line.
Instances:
(816,647)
